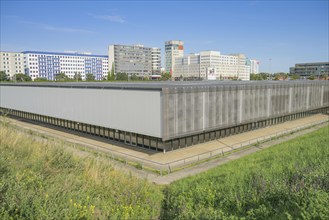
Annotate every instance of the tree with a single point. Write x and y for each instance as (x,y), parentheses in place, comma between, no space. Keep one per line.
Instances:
(311,77)
(20,77)
(134,77)
(90,77)
(3,76)
(294,77)
(122,76)
(42,79)
(111,76)
(165,76)
(61,77)
(77,77)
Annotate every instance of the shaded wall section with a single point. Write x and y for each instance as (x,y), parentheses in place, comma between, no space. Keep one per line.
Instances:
(190,110)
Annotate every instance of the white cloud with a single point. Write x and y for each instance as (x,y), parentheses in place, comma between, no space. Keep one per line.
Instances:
(58,29)
(113,18)
(65,29)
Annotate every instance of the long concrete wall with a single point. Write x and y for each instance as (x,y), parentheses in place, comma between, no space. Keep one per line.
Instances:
(190,110)
(136,111)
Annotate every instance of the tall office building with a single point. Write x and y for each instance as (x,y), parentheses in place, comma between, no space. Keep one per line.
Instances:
(156,61)
(134,59)
(254,66)
(48,64)
(173,49)
(212,65)
(12,63)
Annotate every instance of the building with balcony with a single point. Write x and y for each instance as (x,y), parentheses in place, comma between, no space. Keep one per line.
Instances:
(12,63)
(134,59)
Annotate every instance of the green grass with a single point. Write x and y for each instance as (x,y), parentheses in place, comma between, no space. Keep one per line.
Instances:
(288,181)
(42,181)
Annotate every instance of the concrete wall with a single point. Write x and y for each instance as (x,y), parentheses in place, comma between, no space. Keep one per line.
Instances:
(135,111)
(190,110)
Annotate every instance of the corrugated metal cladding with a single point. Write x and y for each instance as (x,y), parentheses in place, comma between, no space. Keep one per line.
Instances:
(194,109)
(135,111)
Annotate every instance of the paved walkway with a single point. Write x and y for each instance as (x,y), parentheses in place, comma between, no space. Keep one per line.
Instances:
(167,179)
(173,159)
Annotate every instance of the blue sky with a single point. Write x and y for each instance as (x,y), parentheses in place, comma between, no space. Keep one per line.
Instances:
(287,32)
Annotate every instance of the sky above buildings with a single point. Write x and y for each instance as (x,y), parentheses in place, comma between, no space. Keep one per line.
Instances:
(277,33)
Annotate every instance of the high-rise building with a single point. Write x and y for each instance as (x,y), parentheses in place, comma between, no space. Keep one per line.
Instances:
(173,49)
(254,66)
(48,64)
(12,63)
(212,65)
(134,59)
(156,61)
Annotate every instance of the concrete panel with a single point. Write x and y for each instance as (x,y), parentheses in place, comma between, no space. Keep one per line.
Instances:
(124,110)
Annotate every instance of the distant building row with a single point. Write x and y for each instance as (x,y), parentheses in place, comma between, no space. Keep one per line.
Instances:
(131,59)
(47,64)
(210,65)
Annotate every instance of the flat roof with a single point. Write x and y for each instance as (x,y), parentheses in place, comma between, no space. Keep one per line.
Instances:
(64,54)
(159,85)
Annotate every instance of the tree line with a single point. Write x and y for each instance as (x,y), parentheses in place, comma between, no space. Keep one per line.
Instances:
(89,77)
(284,76)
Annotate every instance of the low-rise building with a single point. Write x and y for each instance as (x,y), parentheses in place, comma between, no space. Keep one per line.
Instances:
(48,64)
(310,69)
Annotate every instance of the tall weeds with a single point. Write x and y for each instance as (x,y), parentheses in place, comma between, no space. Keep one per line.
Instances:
(290,180)
(41,180)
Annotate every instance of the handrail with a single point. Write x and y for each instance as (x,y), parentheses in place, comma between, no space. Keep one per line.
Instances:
(212,153)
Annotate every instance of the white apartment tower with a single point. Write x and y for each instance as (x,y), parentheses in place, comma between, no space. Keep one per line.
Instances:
(173,49)
(12,63)
(156,61)
(254,66)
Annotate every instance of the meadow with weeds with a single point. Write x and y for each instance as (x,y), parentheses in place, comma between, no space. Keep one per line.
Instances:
(287,181)
(40,181)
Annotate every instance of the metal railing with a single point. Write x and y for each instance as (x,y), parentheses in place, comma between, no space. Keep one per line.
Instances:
(163,168)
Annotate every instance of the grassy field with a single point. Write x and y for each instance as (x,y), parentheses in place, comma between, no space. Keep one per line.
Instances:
(288,181)
(39,181)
